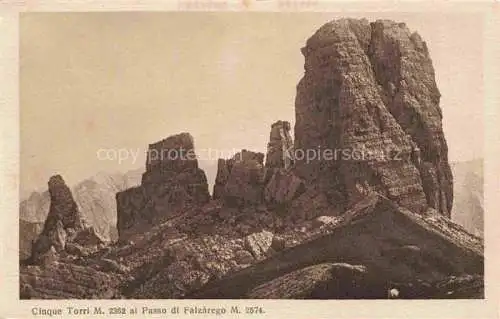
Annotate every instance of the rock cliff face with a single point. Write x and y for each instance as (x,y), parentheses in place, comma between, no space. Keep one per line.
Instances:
(240,180)
(368,99)
(171,183)
(63,207)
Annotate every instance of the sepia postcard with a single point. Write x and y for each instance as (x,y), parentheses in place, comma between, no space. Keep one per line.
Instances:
(249,159)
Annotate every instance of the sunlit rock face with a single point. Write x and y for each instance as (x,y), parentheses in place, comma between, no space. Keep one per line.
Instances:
(172,182)
(369,97)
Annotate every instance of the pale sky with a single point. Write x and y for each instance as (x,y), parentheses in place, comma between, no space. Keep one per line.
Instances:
(91,81)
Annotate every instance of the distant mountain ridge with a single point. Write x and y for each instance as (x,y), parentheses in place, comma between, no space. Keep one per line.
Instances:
(468,190)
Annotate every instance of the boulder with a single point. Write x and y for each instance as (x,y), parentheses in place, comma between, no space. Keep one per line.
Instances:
(329,280)
(95,198)
(381,236)
(278,243)
(57,236)
(62,205)
(223,173)
(259,243)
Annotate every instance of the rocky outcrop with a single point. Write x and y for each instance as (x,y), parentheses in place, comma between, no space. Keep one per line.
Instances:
(63,215)
(240,180)
(323,281)
(95,198)
(244,179)
(172,182)
(68,280)
(367,110)
(280,146)
(394,244)
(283,186)
(63,229)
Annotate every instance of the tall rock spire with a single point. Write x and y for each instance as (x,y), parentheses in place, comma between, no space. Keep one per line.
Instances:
(63,217)
(369,97)
(280,146)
